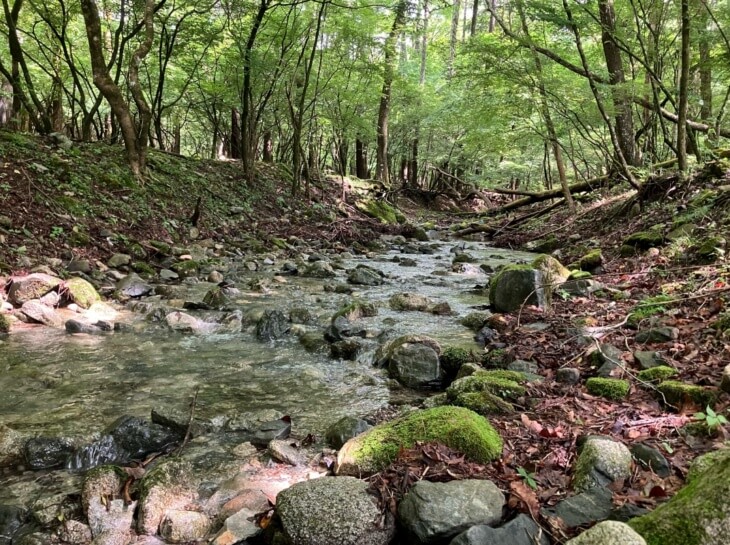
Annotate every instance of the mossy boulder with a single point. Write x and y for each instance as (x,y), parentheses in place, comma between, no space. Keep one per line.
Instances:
(187,268)
(553,272)
(475,320)
(455,427)
(678,393)
(81,292)
(453,357)
(699,514)
(610,388)
(657,374)
(579,275)
(487,392)
(643,240)
(517,285)
(381,210)
(543,245)
(602,461)
(591,261)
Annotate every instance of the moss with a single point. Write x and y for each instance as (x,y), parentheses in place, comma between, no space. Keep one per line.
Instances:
(610,388)
(545,245)
(553,271)
(279,243)
(657,374)
(453,357)
(81,292)
(161,247)
(484,403)
(498,358)
(455,427)
(651,306)
(679,393)
(499,383)
(78,238)
(475,320)
(142,268)
(356,310)
(494,281)
(696,515)
(4,324)
(723,322)
(579,275)
(186,268)
(627,250)
(710,249)
(644,240)
(381,210)
(591,260)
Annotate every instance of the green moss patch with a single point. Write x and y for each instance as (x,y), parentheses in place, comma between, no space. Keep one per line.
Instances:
(4,324)
(677,393)
(81,292)
(657,374)
(643,240)
(487,392)
(610,388)
(381,210)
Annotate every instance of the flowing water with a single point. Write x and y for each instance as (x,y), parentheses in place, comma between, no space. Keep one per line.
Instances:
(54,384)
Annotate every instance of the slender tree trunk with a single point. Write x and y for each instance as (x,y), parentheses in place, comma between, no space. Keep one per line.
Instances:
(235,152)
(268,155)
(382,172)
(361,160)
(683,89)
(705,67)
(614,63)
(474,17)
(453,38)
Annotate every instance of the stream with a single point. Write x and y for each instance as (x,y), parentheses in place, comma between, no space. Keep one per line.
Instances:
(74,386)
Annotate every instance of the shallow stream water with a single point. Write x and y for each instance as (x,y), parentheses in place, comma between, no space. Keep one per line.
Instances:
(55,384)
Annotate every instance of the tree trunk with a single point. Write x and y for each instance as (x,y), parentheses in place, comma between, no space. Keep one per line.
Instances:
(474,14)
(622,103)
(268,155)
(683,89)
(381,171)
(361,160)
(235,152)
(453,38)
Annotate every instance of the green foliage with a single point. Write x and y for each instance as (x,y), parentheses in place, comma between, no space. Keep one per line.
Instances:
(657,374)
(610,388)
(712,419)
(529,478)
(651,306)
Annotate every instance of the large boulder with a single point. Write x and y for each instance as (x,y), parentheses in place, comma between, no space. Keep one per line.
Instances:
(79,291)
(30,287)
(699,514)
(517,285)
(487,392)
(553,272)
(432,513)
(42,314)
(455,427)
(332,511)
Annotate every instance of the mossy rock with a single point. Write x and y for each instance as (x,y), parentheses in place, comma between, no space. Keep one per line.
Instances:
(160,247)
(81,292)
(4,324)
(381,210)
(643,240)
(487,392)
(610,388)
(143,268)
(710,249)
(453,357)
(498,358)
(356,310)
(484,403)
(517,285)
(627,251)
(78,239)
(455,427)
(657,374)
(698,514)
(552,270)
(544,245)
(591,260)
(677,393)
(279,243)
(187,268)
(579,275)
(475,320)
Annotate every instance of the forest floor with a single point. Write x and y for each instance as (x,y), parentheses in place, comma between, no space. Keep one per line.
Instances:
(81,203)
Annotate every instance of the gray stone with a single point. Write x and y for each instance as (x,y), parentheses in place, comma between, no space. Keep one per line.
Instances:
(585,508)
(12,444)
(485,335)
(568,375)
(434,512)
(136,437)
(521,530)
(271,430)
(510,289)
(119,260)
(51,508)
(169,485)
(12,518)
(133,286)
(238,528)
(110,517)
(609,532)
(345,429)
(79,265)
(167,275)
(286,452)
(74,326)
(646,359)
(31,287)
(415,365)
(272,325)
(332,511)
(74,532)
(409,302)
(347,349)
(652,459)
(181,321)
(319,269)
(179,526)
(365,276)
(581,287)
(60,140)
(601,462)
(607,358)
(657,335)
(522,366)
(47,452)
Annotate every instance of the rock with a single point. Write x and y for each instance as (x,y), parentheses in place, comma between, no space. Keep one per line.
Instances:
(12,518)
(332,511)
(553,272)
(74,532)
(51,299)
(180,526)
(725,380)
(568,375)
(432,513)
(6,222)
(455,427)
(602,461)
(515,286)
(40,313)
(51,507)
(74,326)
(133,286)
(485,335)
(99,483)
(238,528)
(585,508)
(177,421)
(319,269)
(521,530)
(61,140)
(216,298)
(652,459)
(644,240)
(272,325)
(475,320)
(47,452)
(610,388)
(167,486)
(657,335)
(609,532)
(522,366)
(646,359)
(137,437)
(698,513)
(678,393)
(345,429)
(216,277)
(12,444)
(33,286)
(166,275)
(80,266)
(180,321)
(286,452)
(119,260)
(487,392)
(268,431)
(365,276)
(607,358)
(409,302)
(347,349)
(414,365)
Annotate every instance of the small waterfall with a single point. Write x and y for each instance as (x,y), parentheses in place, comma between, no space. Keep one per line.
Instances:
(101,451)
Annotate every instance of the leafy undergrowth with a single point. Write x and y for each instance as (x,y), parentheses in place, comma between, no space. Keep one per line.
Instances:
(83,202)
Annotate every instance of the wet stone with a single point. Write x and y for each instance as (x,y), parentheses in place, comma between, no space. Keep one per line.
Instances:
(585,508)
(568,375)
(47,452)
(345,429)
(647,359)
(651,458)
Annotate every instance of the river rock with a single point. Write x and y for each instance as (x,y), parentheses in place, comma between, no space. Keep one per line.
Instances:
(585,508)
(514,286)
(119,260)
(47,452)
(365,276)
(179,526)
(345,429)
(647,359)
(100,483)
(409,302)
(652,459)
(455,427)
(238,528)
(133,286)
(12,518)
(319,269)
(332,511)
(216,298)
(521,530)
(12,444)
(286,452)
(273,429)
(168,486)
(79,266)
(272,325)
(74,532)
(609,532)
(51,508)
(40,313)
(33,286)
(432,513)
(181,321)
(601,462)
(698,514)
(136,437)
(75,326)
(414,364)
